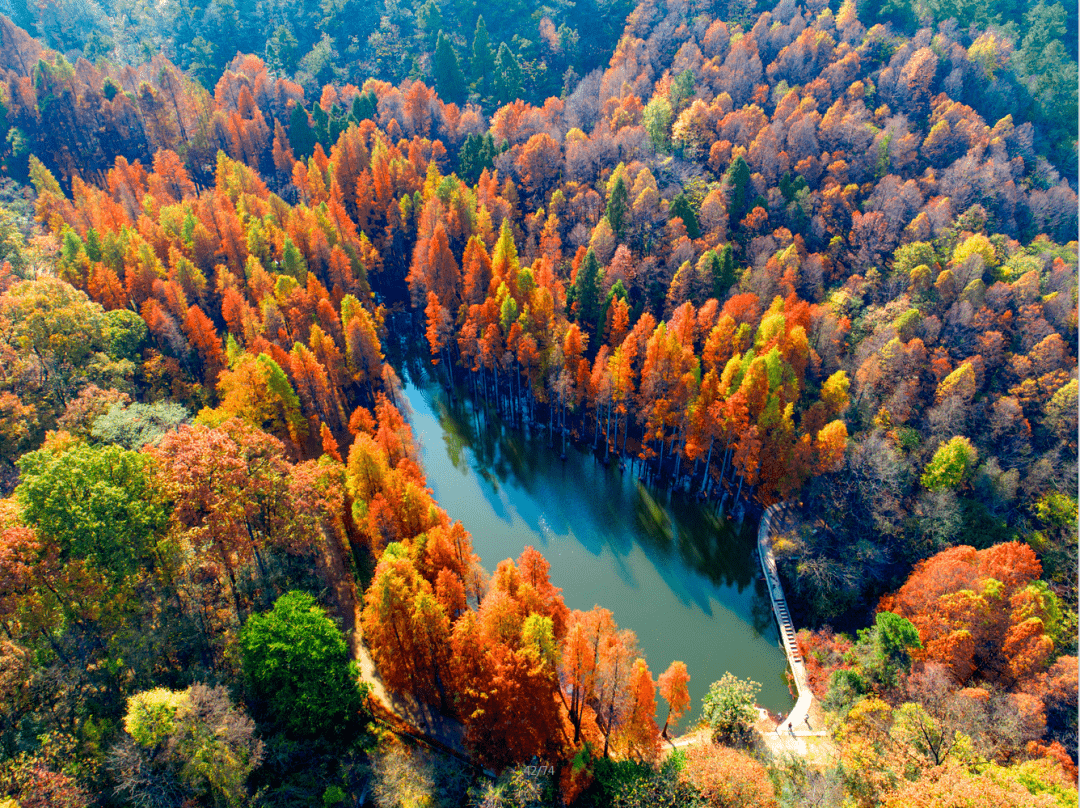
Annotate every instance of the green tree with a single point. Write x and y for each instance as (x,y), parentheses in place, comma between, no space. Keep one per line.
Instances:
(292,262)
(364,106)
(12,242)
(138,424)
(617,206)
(682,90)
(586,291)
(682,207)
(449,80)
(301,135)
(951,465)
(508,308)
(319,65)
(509,80)
(846,687)
(125,334)
(299,671)
(906,324)
(281,49)
(909,256)
(885,648)
(93,245)
(322,125)
(189,743)
(738,182)
(1044,65)
(729,709)
(634,784)
(477,153)
(721,271)
(204,61)
(430,21)
(657,121)
(97,503)
(483,58)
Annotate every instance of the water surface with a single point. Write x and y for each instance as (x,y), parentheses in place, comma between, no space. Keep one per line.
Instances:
(675,573)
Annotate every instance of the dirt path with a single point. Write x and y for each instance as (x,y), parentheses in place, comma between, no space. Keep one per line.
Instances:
(814,745)
(422,720)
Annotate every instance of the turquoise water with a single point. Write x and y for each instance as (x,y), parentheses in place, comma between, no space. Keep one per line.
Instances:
(676,574)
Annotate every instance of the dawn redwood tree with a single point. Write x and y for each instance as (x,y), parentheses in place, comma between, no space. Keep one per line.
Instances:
(614,701)
(536,591)
(505,673)
(389,631)
(640,733)
(672,683)
(579,659)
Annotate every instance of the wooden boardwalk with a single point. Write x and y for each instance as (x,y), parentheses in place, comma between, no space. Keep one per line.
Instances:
(797,723)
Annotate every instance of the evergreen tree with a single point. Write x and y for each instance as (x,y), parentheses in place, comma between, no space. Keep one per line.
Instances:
(509,79)
(1050,75)
(617,206)
(281,50)
(93,246)
(430,22)
(587,292)
(363,106)
(322,126)
(477,153)
(682,207)
(790,186)
(738,180)
(722,270)
(483,60)
(729,709)
(204,61)
(657,121)
(301,137)
(449,80)
(292,262)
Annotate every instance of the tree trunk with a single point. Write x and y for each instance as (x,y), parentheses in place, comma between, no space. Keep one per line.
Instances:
(708,460)
(678,458)
(607,433)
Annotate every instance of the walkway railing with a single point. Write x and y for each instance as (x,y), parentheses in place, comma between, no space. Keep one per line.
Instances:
(800,713)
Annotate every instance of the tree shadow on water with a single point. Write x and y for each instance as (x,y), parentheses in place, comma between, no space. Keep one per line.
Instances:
(701,556)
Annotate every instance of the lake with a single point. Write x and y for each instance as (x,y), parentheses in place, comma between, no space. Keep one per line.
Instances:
(675,573)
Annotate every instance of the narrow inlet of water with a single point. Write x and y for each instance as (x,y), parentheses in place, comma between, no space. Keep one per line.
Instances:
(679,576)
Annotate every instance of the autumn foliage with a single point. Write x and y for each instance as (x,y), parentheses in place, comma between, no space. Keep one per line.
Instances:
(794,257)
(981,612)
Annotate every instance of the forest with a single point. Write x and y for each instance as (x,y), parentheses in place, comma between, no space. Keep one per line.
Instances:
(819,254)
